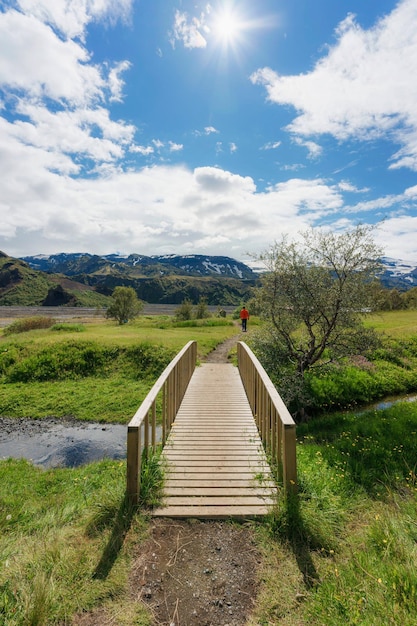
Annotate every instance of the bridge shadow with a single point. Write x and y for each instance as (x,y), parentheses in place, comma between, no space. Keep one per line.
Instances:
(287,524)
(122,521)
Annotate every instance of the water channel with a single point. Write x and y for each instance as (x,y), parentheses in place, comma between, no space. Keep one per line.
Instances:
(51,443)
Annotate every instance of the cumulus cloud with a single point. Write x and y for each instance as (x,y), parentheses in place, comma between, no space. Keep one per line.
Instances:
(188,30)
(71,18)
(55,100)
(361,88)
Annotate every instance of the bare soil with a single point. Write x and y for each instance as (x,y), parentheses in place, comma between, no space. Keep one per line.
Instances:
(197,573)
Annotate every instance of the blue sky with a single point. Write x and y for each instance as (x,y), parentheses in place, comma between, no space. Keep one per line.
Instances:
(188,127)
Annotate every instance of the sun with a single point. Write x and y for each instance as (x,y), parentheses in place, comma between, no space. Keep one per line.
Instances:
(227,26)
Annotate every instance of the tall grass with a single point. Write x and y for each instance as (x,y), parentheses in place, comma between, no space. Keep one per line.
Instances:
(347,541)
(65,541)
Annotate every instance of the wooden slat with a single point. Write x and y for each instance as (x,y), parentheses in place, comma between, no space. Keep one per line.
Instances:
(213,512)
(214,461)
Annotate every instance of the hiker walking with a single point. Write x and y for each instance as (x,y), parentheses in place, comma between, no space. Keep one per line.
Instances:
(244,316)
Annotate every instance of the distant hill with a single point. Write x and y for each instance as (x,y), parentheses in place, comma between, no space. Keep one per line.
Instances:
(20,285)
(83,279)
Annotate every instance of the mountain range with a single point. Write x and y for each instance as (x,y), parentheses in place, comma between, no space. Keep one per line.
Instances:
(80,279)
(83,279)
(189,265)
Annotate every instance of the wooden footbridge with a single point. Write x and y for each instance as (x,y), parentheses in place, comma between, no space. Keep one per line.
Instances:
(220,424)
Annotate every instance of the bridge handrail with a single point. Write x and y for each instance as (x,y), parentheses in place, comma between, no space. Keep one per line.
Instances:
(172,383)
(275,424)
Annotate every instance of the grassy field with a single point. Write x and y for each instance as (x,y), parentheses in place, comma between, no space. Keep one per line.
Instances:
(394,323)
(111,394)
(341,553)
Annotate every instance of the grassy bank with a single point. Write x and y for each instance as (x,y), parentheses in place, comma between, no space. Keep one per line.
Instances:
(99,371)
(64,542)
(346,547)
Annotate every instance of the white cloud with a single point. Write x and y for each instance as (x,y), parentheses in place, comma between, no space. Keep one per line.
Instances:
(272,145)
(55,98)
(35,60)
(116,84)
(233,147)
(362,88)
(175,147)
(168,208)
(314,149)
(144,150)
(345,185)
(71,18)
(208,130)
(188,31)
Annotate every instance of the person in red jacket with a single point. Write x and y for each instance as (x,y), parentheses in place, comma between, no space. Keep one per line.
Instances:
(244,316)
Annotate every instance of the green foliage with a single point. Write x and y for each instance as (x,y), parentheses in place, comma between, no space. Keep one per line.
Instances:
(185,311)
(205,323)
(28,323)
(201,311)
(115,391)
(314,293)
(373,447)
(145,360)
(65,360)
(54,561)
(69,328)
(389,368)
(78,359)
(151,478)
(125,305)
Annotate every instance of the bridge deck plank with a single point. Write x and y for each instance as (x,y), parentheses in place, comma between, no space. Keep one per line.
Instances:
(214,461)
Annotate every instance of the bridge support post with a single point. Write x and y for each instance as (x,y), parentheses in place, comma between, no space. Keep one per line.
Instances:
(133,464)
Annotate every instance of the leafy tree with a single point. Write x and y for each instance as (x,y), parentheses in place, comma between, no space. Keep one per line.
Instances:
(125,305)
(314,295)
(184,311)
(201,310)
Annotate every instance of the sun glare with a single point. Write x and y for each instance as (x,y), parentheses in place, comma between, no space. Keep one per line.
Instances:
(227,26)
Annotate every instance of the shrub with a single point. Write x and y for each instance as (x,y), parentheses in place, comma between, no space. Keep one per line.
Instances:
(184,311)
(146,360)
(69,328)
(27,324)
(66,360)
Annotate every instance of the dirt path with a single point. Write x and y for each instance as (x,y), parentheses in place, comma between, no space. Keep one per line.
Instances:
(221,352)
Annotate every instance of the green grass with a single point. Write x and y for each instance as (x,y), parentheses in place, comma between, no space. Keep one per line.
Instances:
(343,552)
(102,374)
(64,540)
(394,323)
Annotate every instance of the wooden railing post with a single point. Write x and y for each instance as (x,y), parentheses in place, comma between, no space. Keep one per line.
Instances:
(172,385)
(275,425)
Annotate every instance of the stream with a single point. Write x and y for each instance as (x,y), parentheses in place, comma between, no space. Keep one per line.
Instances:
(52,443)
